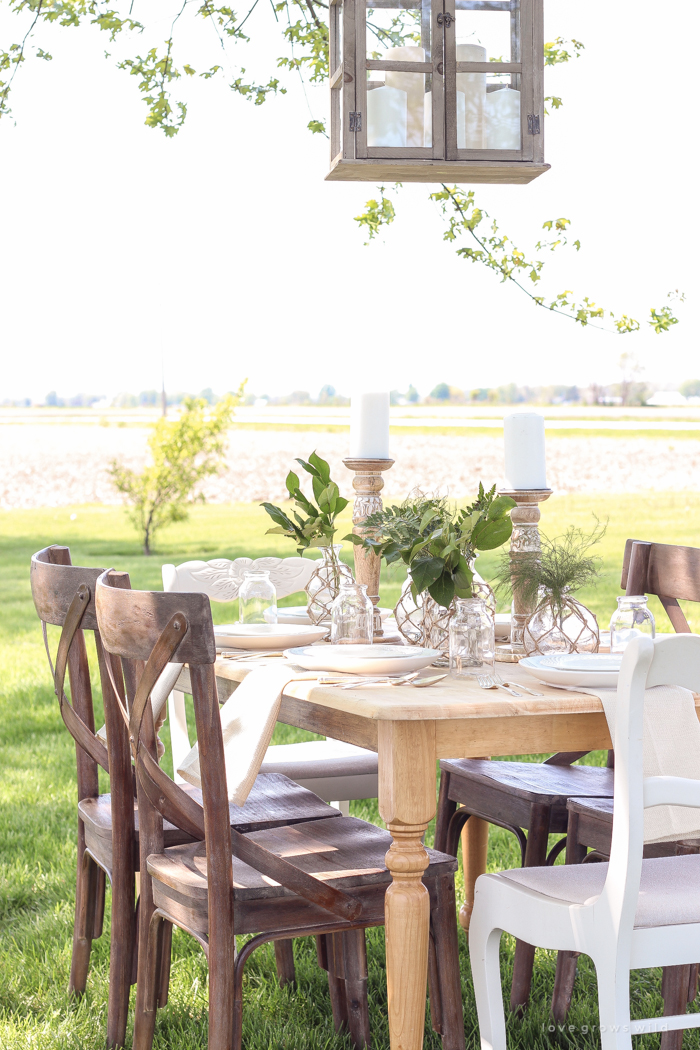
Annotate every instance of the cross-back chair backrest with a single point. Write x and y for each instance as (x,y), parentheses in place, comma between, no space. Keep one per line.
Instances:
(64,597)
(671,660)
(163,627)
(669,571)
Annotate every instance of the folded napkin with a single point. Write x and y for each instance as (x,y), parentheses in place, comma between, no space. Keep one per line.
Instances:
(247,722)
(671,749)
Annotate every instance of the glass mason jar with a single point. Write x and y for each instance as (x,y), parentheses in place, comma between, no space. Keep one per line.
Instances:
(352,615)
(257,598)
(631,618)
(472,641)
(324,585)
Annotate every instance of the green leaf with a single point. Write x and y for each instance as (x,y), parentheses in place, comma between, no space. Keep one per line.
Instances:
(292,482)
(443,590)
(491,534)
(425,571)
(324,471)
(500,506)
(308,467)
(278,516)
(354,539)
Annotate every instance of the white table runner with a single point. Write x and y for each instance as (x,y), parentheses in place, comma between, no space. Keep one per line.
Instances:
(671,749)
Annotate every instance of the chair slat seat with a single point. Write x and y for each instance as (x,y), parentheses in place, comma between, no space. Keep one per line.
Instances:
(344,851)
(274,800)
(534,782)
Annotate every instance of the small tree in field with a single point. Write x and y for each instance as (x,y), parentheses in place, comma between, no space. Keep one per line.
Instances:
(184,451)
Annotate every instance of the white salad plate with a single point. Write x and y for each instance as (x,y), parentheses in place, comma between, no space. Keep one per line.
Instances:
(266,635)
(298,614)
(502,625)
(362,659)
(582,669)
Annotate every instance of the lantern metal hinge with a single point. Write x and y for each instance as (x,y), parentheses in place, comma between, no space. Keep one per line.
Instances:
(533,123)
(445,19)
(355,120)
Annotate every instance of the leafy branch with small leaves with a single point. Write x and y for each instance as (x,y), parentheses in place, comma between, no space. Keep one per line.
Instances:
(437,541)
(309,525)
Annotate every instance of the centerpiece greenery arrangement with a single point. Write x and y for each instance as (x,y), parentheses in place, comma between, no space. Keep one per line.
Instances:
(546,582)
(438,543)
(314,526)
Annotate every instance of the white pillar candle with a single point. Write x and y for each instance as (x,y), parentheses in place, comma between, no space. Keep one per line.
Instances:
(471,132)
(414,86)
(369,425)
(386,117)
(503,119)
(523,438)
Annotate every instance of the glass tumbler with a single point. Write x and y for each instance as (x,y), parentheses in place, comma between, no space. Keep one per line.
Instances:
(257,598)
(352,615)
(631,618)
(472,641)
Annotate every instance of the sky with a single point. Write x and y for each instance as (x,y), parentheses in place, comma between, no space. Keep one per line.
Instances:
(223,253)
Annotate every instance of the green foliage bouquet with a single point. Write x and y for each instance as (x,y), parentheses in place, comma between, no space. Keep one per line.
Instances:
(437,541)
(311,526)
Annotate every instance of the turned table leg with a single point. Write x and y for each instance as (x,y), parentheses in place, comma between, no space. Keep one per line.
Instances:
(407,804)
(475,844)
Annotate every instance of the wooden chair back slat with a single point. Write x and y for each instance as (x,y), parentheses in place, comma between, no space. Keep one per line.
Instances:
(669,571)
(133,621)
(54,582)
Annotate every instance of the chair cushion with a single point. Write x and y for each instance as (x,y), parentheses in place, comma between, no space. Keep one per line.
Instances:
(315,759)
(344,851)
(531,781)
(668,893)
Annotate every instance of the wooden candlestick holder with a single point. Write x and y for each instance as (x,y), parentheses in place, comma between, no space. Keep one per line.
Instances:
(368,483)
(524,541)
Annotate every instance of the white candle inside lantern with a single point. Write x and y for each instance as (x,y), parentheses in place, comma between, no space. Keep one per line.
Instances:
(414,86)
(428,120)
(503,119)
(470,126)
(386,117)
(369,425)
(523,438)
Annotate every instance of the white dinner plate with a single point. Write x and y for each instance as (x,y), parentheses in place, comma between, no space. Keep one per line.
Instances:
(266,635)
(502,625)
(362,659)
(298,614)
(583,669)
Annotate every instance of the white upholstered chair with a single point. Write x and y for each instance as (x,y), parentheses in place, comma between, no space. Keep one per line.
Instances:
(626,915)
(335,771)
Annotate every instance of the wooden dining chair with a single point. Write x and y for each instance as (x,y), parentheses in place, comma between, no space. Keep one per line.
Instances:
(670,573)
(325,878)
(332,769)
(630,913)
(108,824)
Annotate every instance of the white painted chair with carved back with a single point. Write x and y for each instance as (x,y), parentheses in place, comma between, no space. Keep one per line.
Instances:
(626,915)
(330,768)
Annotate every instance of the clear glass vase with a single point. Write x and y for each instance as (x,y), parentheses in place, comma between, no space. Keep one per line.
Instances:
(472,638)
(561,626)
(324,586)
(409,614)
(352,615)
(630,619)
(257,598)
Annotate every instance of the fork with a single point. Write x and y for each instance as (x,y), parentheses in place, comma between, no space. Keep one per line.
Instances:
(520,685)
(487,681)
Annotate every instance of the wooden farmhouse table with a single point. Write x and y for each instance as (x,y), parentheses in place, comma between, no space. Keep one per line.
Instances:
(411,729)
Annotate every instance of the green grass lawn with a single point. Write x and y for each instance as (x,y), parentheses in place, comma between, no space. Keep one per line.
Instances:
(37,818)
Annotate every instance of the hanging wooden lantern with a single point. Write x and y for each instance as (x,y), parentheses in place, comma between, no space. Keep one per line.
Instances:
(437,90)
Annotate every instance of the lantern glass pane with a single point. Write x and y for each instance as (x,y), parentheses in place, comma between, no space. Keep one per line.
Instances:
(487,36)
(399,31)
(502,121)
(399,109)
